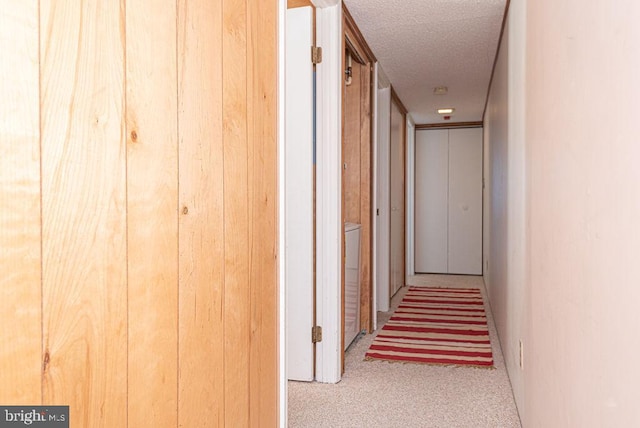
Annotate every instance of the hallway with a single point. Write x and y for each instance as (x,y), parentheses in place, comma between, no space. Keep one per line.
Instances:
(382,394)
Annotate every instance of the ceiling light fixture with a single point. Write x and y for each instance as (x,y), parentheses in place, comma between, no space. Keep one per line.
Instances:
(446,110)
(440,90)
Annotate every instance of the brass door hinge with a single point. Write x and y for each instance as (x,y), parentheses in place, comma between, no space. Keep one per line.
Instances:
(316,334)
(316,54)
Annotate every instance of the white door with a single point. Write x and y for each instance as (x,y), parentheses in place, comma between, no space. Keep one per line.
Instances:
(448,237)
(465,201)
(382,200)
(432,201)
(299,194)
(397,200)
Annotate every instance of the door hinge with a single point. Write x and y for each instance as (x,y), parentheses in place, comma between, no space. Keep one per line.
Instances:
(316,334)
(316,54)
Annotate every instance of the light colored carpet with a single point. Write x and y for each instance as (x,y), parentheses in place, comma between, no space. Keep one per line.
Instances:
(382,394)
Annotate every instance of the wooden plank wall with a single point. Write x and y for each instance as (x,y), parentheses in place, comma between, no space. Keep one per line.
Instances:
(357,177)
(20,230)
(352,147)
(138,210)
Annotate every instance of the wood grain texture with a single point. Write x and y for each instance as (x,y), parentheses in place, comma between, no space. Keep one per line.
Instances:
(152,189)
(299,3)
(262,67)
(84,210)
(237,315)
(352,143)
(355,36)
(396,99)
(366,186)
(201,227)
(20,233)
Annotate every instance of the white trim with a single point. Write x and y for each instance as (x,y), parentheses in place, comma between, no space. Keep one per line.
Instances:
(282,363)
(325,3)
(374,199)
(411,198)
(382,196)
(328,194)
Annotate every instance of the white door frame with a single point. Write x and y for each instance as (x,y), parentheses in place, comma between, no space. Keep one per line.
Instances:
(374,200)
(328,196)
(382,203)
(298,160)
(282,334)
(410,198)
(329,226)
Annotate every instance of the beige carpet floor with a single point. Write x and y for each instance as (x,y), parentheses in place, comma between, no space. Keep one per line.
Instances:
(382,394)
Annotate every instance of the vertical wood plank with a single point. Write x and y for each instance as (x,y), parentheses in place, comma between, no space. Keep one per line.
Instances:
(298,3)
(152,189)
(352,144)
(365,197)
(20,264)
(263,151)
(236,214)
(201,227)
(84,210)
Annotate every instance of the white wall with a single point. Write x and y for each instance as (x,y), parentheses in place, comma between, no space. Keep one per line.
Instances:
(504,218)
(583,152)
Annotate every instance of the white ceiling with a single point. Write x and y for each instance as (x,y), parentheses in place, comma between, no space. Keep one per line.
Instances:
(422,44)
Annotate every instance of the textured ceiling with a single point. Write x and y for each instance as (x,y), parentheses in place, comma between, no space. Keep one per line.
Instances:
(421,44)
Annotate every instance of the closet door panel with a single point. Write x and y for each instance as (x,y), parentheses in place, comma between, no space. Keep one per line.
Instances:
(465,201)
(432,176)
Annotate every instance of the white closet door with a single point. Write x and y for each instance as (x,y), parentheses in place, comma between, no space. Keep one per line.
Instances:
(465,201)
(432,176)
(383,201)
(396,264)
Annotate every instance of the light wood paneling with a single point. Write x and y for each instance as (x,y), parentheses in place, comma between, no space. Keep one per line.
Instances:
(366,184)
(263,182)
(201,228)
(142,179)
(84,210)
(152,189)
(236,216)
(357,187)
(298,3)
(20,291)
(351,151)
(355,36)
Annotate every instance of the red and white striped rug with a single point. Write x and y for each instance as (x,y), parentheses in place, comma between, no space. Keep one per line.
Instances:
(445,326)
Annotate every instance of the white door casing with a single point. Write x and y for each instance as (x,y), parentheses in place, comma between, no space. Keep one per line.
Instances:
(383,204)
(299,194)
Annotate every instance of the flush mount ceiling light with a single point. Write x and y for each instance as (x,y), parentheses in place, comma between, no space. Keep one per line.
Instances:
(446,110)
(440,90)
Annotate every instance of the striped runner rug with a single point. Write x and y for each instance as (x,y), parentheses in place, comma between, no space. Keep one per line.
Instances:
(446,326)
